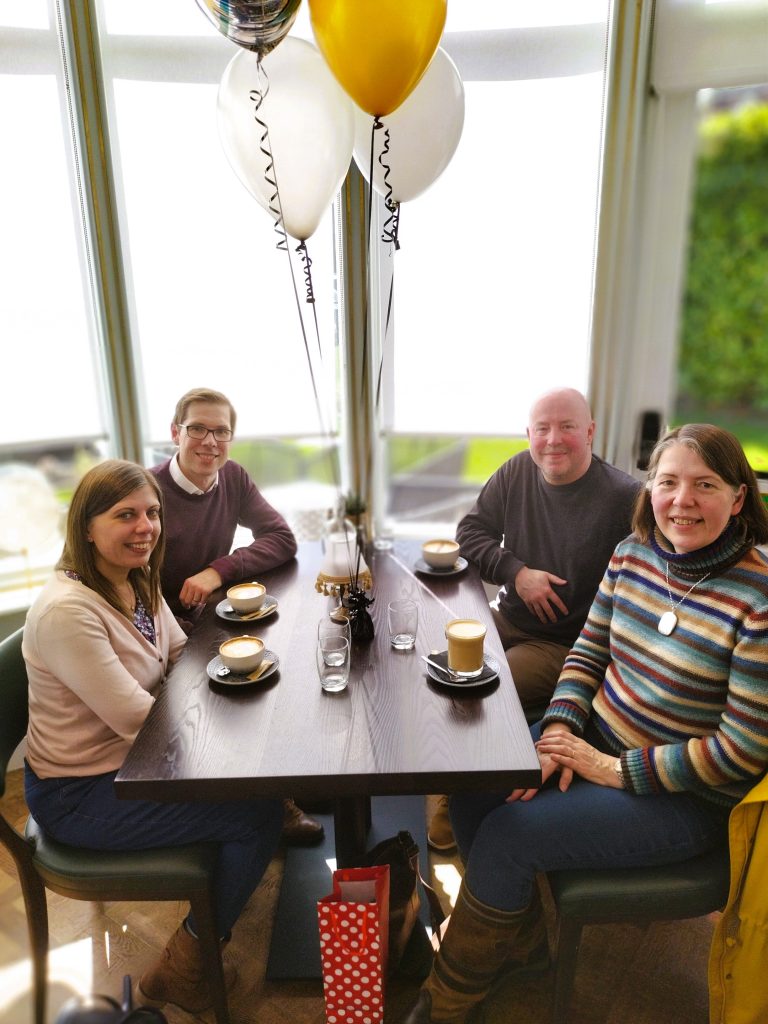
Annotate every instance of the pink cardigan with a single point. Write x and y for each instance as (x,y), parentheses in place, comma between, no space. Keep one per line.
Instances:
(92,676)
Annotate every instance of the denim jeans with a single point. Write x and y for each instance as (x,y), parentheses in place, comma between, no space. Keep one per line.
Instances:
(504,845)
(85,812)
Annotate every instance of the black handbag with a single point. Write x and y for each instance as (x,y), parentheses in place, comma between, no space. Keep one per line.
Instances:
(100,1009)
(401,852)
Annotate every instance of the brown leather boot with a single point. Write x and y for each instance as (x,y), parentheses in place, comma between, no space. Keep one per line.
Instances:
(179,976)
(299,829)
(478,944)
(440,834)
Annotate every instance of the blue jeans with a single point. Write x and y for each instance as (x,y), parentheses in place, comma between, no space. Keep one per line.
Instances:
(85,812)
(504,845)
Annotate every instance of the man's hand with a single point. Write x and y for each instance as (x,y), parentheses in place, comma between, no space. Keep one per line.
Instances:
(534,588)
(197,589)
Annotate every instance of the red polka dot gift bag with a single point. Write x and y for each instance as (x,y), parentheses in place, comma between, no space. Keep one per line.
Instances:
(354,928)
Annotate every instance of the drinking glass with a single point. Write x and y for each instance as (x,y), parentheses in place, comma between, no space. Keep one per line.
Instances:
(403,618)
(333,663)
(328,627)
(465,647)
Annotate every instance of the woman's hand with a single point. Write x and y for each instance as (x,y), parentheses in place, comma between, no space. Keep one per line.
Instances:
(572,754)
(548,765)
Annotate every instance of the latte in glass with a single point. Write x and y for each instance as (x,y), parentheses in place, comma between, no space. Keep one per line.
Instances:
(465,646)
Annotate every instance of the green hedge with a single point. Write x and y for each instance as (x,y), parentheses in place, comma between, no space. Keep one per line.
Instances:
(724,343)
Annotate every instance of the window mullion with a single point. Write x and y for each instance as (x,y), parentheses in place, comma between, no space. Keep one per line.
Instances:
(95,182)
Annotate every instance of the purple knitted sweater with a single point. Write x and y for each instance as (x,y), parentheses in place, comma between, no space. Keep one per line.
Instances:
(199,529)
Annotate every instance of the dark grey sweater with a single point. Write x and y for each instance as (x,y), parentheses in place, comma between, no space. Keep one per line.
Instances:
(569,530)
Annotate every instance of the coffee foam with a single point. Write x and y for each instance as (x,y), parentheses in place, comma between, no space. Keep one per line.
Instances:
(466,629)
(241,647)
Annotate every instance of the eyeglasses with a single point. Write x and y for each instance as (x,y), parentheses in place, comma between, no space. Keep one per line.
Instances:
(199,432)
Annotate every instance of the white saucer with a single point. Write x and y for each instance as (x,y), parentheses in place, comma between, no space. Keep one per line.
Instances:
(236,678)
(225,610)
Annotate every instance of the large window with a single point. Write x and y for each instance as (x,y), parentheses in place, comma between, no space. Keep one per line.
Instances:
(134,264)
(723,355)
(211,299)
(493,281)
(54,399)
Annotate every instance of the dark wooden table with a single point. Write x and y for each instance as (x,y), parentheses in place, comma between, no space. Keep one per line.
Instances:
(390,732)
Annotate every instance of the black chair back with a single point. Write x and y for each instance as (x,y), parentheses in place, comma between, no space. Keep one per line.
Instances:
(14,711)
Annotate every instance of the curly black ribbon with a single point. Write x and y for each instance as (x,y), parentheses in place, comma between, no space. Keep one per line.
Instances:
(257,96)
(303,252)
(390,228)
(389,236)
(389,232)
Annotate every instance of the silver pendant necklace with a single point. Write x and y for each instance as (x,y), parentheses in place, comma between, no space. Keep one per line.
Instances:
(668,620)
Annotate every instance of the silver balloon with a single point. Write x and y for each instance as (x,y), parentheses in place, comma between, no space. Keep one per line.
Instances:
(256,25)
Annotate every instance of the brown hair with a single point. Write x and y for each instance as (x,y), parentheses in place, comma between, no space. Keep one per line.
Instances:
(100,489)
(203,395)
(722,452)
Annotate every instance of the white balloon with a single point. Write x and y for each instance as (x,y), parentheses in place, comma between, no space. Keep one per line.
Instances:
(424,132)
(311,130)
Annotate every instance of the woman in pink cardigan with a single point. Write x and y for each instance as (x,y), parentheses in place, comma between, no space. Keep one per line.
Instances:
(98,642)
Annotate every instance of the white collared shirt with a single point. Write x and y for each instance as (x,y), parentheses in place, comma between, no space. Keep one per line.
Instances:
(184,483)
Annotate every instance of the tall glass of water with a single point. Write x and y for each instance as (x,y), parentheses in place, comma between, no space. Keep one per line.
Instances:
(333,662)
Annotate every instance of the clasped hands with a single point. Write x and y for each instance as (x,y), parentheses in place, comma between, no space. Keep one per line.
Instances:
(560,750)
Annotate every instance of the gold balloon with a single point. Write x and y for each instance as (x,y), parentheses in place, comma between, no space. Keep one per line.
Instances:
(378,49)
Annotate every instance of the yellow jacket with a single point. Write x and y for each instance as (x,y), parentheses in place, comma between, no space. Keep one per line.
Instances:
(738,962)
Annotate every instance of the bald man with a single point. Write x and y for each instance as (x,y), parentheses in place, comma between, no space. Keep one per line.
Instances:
(544,528)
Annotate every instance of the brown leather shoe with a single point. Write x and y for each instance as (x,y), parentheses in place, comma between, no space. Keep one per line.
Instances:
(440,834)
(299,829)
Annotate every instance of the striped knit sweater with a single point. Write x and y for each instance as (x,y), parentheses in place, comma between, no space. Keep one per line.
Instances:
(687,711)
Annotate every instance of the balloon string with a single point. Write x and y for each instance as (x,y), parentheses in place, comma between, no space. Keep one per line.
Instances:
(301,249)
(390,229)
(389,232)
(303,252)
(376,125)
(390,237)
(257,97)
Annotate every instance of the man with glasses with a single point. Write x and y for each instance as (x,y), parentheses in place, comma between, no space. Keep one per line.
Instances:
(206,498)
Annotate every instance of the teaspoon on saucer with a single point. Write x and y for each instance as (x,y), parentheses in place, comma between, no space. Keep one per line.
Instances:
(453,676)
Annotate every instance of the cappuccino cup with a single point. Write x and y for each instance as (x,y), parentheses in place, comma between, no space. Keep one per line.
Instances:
(465,647)
(242,654)
(440,554)
(247,597)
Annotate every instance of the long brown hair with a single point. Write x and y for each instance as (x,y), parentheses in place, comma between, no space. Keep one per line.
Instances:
(722,452)
(100,489)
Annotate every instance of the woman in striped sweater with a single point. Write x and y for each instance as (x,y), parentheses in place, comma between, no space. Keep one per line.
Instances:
(656,729)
